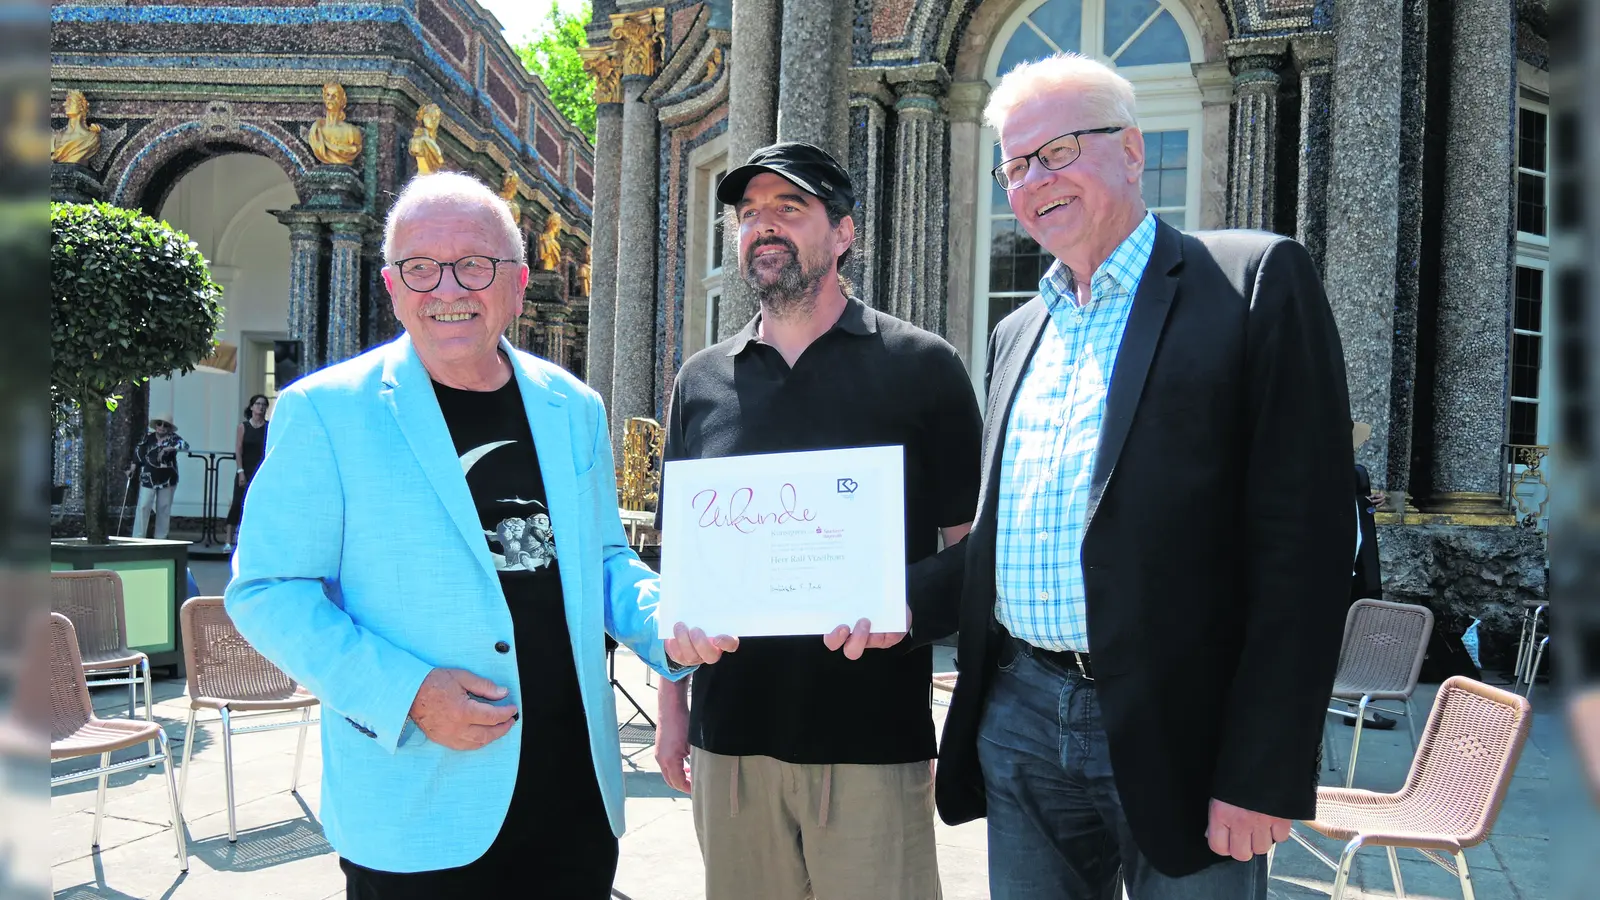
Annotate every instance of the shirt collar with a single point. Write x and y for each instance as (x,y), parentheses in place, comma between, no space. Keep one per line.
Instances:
(854,320)
(1124,266)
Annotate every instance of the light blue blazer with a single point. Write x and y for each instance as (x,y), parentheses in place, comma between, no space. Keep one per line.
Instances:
(362,565)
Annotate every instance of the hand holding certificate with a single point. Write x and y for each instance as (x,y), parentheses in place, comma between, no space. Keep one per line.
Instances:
(787,544)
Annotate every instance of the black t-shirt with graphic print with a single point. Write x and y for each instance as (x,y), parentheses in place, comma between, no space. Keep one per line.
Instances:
(501,464)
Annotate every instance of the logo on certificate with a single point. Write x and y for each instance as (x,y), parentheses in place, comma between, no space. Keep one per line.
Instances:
(847,485)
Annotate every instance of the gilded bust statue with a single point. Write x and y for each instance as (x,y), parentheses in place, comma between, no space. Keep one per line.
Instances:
(79,141)
(584,271)
(333,140)
(508,193)
(425,140)
(550,244)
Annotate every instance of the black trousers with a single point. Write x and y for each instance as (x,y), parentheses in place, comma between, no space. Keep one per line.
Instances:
(555,843)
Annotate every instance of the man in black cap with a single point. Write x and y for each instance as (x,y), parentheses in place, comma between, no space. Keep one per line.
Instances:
(810,761)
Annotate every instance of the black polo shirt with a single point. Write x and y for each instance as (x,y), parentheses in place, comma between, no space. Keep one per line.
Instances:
(872,380)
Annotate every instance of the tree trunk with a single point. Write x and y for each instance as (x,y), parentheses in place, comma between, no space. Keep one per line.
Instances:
(94,468)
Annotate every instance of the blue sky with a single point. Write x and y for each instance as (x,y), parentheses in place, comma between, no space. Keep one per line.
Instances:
(518,17)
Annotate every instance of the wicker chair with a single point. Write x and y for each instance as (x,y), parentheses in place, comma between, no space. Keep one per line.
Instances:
(1384,645)
(75,731)
(92,600)
(228,675)
(1451,795)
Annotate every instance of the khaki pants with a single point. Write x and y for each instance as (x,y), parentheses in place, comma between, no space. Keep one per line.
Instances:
(772,830)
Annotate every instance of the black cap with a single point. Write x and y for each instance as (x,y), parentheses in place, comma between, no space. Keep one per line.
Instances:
(810,167)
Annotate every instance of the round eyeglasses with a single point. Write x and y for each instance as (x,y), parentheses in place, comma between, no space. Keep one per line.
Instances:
(1057,153)
(473,273)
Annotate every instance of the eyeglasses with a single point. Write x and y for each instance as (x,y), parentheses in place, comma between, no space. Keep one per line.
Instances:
(1057,154)
(473,273)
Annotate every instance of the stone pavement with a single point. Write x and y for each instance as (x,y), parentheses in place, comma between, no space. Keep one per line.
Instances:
(281,851)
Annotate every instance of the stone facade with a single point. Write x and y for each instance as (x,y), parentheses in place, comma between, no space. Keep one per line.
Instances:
(1379,133)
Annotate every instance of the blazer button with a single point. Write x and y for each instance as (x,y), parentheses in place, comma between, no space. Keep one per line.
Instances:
(502,647)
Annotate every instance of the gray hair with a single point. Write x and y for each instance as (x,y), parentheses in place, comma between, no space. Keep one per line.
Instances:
(1108,95)
(450,189)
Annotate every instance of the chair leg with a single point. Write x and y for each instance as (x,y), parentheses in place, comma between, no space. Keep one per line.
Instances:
(1522,646)
(1394,872)
(133,690)
(1329,756)
(1466,878)
(227,770)
(1411,724)
(188,752)
(100,800)
(300,749)
(1355,742)
(1342,877)
(1533,671)
(172,797)
(149,704)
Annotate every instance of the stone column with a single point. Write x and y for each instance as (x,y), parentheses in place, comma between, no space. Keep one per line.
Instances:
(752,123)
(916,239)
(1362,222)
(1313,59)
(965,104)
(1408,252)
(1257,65)
(813,98)
(601,62)
(1476,269)
(870,102)
(344,292)
(305,252)
(633,364)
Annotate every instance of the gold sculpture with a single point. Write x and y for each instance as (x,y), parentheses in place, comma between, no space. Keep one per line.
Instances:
(550,244)
(600,61)
(642,443)
(79,141)
(584,270)
(425,140)
(508,193)
(639,36)
(333,140)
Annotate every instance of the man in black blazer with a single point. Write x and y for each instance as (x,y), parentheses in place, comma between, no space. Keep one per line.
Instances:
(1152,596)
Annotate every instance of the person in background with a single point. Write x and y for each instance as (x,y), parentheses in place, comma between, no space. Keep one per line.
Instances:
(249,448)
(155,460)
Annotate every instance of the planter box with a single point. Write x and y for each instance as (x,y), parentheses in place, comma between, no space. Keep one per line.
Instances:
(155,582)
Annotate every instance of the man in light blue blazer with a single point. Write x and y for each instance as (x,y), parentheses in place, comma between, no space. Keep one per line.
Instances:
(432,547)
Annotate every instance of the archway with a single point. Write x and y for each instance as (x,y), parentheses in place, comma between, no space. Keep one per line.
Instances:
(222,204)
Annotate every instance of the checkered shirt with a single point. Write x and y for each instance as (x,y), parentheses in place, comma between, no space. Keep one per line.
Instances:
(1050,445)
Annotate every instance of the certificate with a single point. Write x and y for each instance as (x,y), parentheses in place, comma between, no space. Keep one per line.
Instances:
(784,543)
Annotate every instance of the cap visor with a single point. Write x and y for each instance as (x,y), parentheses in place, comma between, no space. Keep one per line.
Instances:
(730,190)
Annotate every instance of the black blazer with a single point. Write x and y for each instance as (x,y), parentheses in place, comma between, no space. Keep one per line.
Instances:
(1368,580)
(1217,554)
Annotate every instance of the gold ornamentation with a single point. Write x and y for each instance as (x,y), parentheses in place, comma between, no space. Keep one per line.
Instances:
(333,140)
(600,61)
(643,441)
(79,141)
(713,63)
(550,244)
(584,271)
(1527,473)
(640,36)
(425,140)
(508,193)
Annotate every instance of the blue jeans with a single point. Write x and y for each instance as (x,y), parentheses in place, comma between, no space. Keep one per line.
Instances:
(1056,826)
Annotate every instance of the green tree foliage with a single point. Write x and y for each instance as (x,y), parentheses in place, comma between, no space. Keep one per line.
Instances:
(130,299)
(552,54)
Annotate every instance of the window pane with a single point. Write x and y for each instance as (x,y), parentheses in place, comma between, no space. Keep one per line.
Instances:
(1174,187)
(1024,46)
(1175,148)
(1162,42)
(1524,423)
(1062,20)
(1532,137)
(1529,299)
(1123,17)
(1530,203)
(1525,365)
(1150,187)
(997,198)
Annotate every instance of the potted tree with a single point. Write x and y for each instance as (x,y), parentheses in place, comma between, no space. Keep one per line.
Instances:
(131,299)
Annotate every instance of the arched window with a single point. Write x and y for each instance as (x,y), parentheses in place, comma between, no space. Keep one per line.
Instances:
(1151,43)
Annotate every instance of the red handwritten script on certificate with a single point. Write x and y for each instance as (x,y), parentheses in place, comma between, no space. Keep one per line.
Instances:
(737,512)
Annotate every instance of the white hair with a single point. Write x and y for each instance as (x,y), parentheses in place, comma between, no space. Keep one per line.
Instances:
(1108,96)
(450,189)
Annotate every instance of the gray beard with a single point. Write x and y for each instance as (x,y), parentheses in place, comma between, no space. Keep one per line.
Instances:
(792,296)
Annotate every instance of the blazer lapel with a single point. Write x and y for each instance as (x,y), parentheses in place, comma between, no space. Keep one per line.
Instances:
(1145,323)
(1005,379)
(408,392)
(549,420)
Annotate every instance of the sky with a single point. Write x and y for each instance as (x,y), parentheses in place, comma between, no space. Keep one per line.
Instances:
(518,17)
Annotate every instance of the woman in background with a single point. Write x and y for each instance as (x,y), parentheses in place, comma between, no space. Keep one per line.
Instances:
(249,447)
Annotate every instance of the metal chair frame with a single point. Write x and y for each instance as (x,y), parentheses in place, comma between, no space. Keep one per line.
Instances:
(1359,705)
(1530,647)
